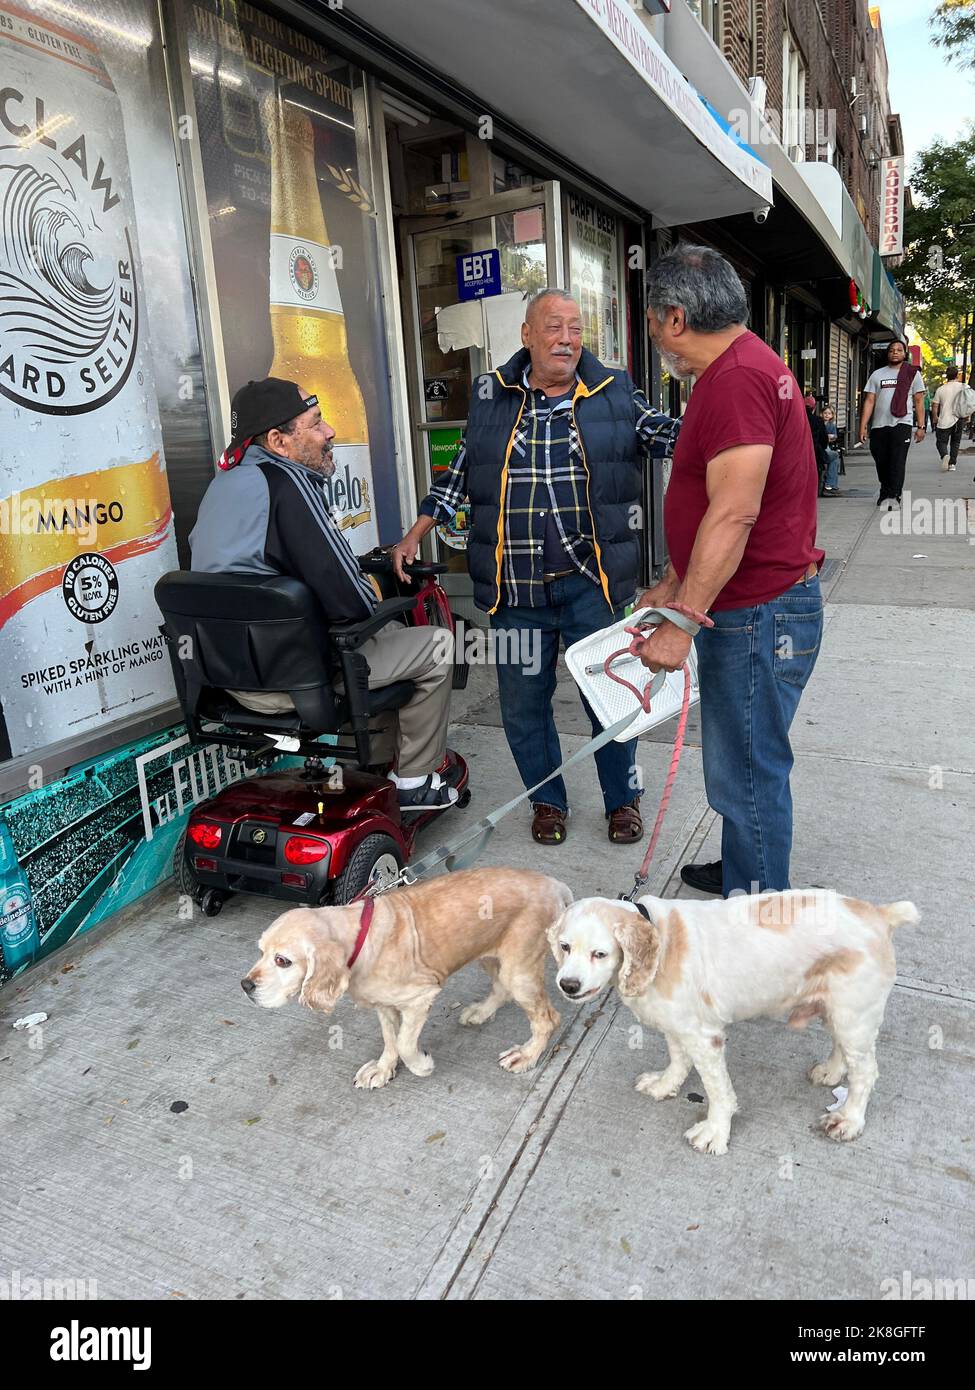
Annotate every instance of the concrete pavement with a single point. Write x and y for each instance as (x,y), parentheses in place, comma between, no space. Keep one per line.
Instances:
(280,1180)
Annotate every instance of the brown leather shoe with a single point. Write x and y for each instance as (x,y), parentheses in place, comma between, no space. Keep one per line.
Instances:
(548,825)
(626,824)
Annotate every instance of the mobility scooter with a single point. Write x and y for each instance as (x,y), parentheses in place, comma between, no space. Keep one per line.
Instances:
(312,835)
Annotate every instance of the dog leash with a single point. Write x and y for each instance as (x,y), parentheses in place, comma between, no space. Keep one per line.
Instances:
(463,849)
(691,622)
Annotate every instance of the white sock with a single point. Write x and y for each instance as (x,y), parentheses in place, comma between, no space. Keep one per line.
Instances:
(406,783)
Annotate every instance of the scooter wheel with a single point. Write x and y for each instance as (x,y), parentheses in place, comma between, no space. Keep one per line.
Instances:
(211,902)
(378,856)
(182,872)
(465,798)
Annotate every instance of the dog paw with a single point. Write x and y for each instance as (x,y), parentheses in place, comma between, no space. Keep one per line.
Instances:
(653,1083)
(708,1138)
(821,1075)
(474,1015)
(841,1127)
(373,1075)
(516,1059)
(421,1064)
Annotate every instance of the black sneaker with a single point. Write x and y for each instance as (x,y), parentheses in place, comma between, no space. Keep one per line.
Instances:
(706,878)
(426,797)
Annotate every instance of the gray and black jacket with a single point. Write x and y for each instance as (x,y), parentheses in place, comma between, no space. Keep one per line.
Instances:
(269,516)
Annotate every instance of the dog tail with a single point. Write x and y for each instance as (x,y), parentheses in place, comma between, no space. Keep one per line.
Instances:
(903,914)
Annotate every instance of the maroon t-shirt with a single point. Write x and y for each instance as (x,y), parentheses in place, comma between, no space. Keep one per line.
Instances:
(748,396)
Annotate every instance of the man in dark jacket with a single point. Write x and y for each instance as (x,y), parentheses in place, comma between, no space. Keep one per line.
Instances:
(265,512)
(551,462)
(820,439)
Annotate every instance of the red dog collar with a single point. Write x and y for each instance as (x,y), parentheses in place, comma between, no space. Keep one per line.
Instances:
(367,910)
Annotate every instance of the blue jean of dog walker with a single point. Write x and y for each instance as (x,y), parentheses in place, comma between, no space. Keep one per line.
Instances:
(753,666)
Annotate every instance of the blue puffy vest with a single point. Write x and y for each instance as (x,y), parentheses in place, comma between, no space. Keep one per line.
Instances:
(605,417)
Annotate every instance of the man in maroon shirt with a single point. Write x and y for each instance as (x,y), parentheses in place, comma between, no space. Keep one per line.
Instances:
(740,523)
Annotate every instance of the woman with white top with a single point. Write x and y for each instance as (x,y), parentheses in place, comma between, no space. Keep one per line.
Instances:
(886,413)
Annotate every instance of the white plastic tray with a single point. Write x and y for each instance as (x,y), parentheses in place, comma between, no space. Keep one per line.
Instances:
(610,700)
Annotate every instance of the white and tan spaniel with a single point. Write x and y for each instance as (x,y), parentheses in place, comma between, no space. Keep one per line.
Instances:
(690,968)
(417,937)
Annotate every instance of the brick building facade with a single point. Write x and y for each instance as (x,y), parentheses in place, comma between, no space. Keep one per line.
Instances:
(828,54)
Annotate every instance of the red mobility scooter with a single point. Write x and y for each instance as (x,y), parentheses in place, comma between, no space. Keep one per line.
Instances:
(310,835)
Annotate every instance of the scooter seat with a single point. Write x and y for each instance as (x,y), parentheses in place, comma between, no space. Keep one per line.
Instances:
(229,711)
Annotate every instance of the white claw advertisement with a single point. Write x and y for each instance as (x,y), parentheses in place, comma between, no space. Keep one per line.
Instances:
(85,516)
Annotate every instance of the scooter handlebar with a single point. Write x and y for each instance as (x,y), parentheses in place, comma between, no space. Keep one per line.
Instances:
(379,561)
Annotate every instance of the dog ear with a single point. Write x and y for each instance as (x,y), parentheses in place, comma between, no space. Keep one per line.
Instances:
(553,934)
(639,941)
(326,976)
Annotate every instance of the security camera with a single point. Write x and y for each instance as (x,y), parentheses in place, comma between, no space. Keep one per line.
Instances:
(761,215)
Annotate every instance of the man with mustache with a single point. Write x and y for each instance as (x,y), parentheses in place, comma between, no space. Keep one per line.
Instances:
(266,512)
(551,462)
(740,523)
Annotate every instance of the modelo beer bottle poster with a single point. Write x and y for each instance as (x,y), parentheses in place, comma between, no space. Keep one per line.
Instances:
(86,524)
(292,229)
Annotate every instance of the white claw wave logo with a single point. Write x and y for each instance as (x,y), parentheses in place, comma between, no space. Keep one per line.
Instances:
(68,295)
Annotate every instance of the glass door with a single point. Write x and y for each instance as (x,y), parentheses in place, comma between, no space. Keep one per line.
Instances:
(451,341)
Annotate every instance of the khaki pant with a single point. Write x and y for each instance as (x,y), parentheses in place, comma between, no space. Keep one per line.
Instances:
(416,734)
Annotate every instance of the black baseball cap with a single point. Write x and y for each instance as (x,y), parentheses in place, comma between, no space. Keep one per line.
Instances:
(265,405)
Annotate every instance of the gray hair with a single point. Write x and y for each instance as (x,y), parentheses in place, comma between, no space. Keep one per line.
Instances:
(702,283)
(550,292)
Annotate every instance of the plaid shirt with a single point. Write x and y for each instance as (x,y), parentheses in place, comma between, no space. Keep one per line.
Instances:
(546,474)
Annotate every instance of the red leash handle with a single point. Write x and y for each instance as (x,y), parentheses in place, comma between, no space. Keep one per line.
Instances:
(640,633)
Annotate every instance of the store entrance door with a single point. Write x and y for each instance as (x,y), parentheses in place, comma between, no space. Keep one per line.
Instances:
(450,341)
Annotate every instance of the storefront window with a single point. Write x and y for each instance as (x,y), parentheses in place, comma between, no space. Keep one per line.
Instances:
(292,226)
(437,172)
(102,415)
(595,275)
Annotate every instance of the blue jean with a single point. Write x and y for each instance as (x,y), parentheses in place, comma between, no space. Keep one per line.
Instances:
(754,664)
(832,468)
(576,608)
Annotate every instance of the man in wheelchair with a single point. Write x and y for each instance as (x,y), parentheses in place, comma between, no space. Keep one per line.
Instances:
(265,512)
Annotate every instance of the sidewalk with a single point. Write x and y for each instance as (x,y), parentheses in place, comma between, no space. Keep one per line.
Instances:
(280,1180)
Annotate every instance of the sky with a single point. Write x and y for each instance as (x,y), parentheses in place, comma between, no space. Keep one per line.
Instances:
(934,98)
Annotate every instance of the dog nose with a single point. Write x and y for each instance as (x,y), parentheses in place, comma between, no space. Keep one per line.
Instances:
(248,985)
(569,987)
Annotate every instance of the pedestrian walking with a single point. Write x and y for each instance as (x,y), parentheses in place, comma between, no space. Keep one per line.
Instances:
(949,422)
(740,524)
(886,414)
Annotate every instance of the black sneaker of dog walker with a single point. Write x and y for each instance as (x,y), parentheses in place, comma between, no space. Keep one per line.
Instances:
(706,878)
